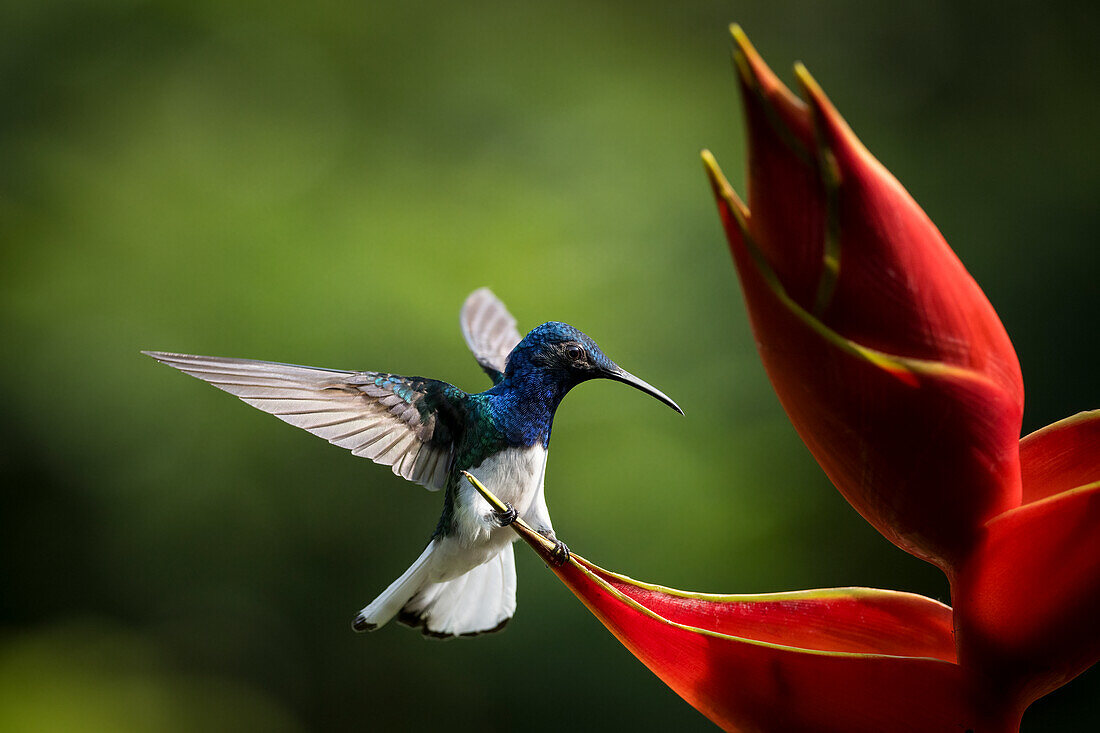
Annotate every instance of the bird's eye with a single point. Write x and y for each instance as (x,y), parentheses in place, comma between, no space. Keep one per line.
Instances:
(574,352)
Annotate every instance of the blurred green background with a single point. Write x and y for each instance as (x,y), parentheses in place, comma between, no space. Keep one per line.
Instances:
(324,183)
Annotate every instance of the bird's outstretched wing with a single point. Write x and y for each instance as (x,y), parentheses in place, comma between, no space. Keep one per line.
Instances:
(490,331)
(389,419)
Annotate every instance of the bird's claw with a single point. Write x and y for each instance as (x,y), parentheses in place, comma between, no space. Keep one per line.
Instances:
(559,555)
(503,519)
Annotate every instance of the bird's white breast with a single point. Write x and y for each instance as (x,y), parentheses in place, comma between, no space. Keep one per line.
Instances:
(515,476)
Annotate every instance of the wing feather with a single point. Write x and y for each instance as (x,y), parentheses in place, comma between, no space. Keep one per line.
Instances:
(375,415)
(489,330)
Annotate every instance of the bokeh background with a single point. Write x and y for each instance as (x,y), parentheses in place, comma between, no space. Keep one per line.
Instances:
(324,183)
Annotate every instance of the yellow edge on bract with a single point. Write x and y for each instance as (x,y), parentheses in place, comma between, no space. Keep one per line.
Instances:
(829,170)
(744,56)
(737,207)
(902,367)
(792,595)
(529,535)
(1082,489)
(809,84)
(740,57)
(622,597)
(815,98)
(748,59)
(1080,417)
(741,38)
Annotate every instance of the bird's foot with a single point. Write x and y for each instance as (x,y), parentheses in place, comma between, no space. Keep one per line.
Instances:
(503,519)
(559,555)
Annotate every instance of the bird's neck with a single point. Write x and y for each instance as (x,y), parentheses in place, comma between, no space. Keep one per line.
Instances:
(523,405)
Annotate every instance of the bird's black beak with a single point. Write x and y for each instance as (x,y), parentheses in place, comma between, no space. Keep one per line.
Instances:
(621,375)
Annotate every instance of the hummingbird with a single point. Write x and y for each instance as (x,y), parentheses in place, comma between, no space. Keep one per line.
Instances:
(431,433)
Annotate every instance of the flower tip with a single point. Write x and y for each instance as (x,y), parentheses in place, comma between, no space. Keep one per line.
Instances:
(826,118)
(724,191)
(812,89)
(741,41)
(814,94)
(710,165)
(745,57)
(762,86)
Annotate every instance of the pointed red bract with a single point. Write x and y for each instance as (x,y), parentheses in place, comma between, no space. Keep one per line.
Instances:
(886,355)
(852,620)
(789,229)
(1028,600)
(1061,456)
(849,244)
(744,680)
(923,451)
(900,288)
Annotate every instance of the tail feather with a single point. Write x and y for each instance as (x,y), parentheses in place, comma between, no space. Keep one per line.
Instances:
(385,606)
(479,602)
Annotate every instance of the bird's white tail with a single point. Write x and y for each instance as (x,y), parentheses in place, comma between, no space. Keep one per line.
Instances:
(477,602)
(386,605)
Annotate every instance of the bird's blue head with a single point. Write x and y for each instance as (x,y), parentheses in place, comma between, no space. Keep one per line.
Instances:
(558,357)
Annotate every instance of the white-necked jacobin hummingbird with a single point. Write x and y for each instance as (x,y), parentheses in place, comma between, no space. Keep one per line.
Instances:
(429,431)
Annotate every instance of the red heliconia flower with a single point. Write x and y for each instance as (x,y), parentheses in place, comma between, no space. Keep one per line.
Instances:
(888,358)
(900,378)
